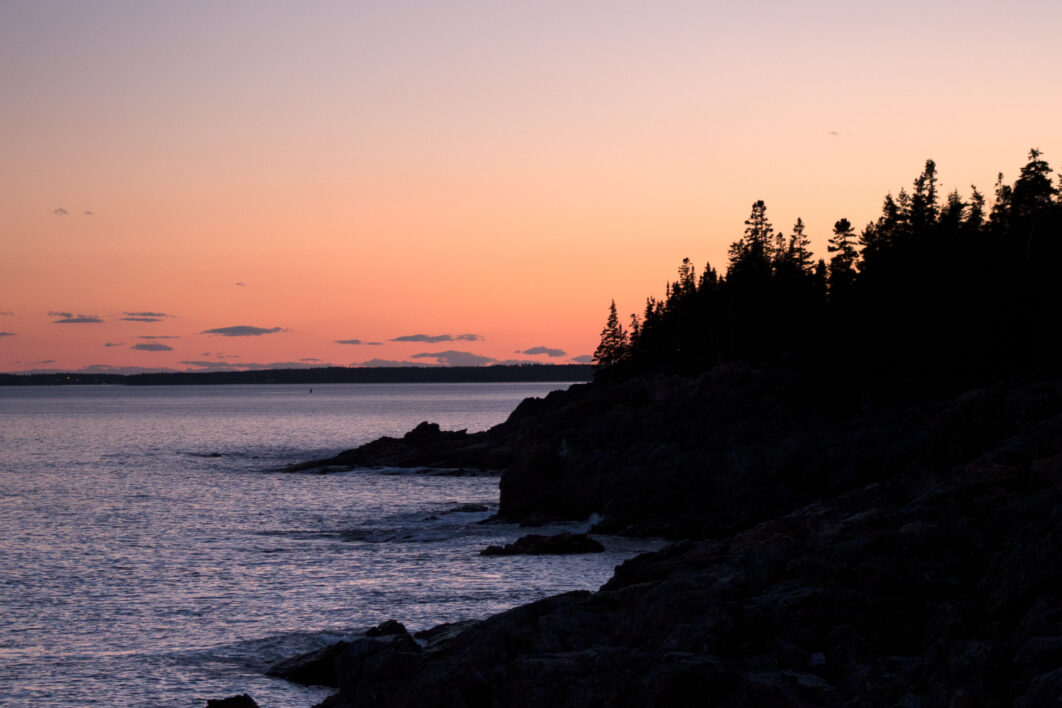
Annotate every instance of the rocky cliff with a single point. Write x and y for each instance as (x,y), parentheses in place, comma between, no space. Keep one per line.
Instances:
(839,551)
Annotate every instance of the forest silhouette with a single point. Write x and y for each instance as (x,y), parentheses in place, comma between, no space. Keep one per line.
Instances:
(936,294)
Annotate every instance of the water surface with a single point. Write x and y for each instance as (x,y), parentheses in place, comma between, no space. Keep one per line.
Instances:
(151,554)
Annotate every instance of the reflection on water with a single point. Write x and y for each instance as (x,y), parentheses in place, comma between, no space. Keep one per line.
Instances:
(151,555)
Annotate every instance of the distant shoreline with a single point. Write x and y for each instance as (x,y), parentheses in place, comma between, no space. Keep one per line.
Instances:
(525,373)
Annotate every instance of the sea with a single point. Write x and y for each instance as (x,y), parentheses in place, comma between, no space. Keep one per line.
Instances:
(154,553)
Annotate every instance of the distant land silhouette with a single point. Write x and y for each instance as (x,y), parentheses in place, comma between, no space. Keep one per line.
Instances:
(323,375)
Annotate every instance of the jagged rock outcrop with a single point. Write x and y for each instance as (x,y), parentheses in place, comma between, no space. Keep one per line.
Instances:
(425,446)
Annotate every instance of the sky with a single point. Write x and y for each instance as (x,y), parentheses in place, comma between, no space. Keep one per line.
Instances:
(193,185)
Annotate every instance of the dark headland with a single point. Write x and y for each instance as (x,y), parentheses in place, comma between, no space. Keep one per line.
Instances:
(860,463)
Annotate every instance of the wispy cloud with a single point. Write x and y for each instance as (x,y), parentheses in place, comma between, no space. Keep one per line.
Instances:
(388,363)
(127,370)
(152,347)
(239,284)
(582,359)
(358,342)
(435,338)
(7,334)
(59,211)
(455,358)
(89,213)
(201,365)
(211,365)
(71,318)
(309,358)
(6,313)
(242,331)
(548,351)
(144,316)
(159,336)
(428,338)
(112,344)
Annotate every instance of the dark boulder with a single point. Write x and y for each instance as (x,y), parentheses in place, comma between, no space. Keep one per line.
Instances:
(240,701)
(316,668)
(538,545)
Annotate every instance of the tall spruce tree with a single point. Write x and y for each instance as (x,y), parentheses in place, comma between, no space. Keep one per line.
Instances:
(842,264)
(613,346)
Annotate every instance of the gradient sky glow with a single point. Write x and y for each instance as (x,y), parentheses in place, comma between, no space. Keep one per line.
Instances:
(324,171)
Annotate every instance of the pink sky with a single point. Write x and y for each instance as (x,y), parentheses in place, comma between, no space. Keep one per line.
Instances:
(333,171)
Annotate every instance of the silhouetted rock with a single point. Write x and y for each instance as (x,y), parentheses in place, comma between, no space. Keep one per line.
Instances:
(538,545)
(387,629)
(240,701)
(426,446)
(319,668)
(316,668)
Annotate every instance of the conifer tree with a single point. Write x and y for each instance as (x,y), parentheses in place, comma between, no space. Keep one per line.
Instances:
(751,255)
(842,265)
(799,248)
(614,342)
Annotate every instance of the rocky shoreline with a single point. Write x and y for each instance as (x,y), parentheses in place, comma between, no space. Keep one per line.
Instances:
(833,549)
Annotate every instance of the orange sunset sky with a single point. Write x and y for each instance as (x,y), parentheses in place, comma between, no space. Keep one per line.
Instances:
(487,175)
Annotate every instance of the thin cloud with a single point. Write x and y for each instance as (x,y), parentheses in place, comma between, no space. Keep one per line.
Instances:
(6,313)
(152,347)
(159,336)
(7,334)
(201,365)
(59,211)
(455,358)
(112,344)
(144,316)
(389,364)
(242,331)
(71,318)
(468,337)
(211,365)
(536,351)
(88,213)
(354,342)
(833,133)
(239,284)
(278,365)
(582,359)
(309,358)
(425,338)
(127,370)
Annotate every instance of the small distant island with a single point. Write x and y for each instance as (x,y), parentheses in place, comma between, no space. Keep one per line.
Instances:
(322,375)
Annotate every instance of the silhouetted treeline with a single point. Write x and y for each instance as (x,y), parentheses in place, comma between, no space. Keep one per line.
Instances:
(939,290)
(323,375)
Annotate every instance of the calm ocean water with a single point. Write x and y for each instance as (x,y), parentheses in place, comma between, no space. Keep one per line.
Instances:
(151,554)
